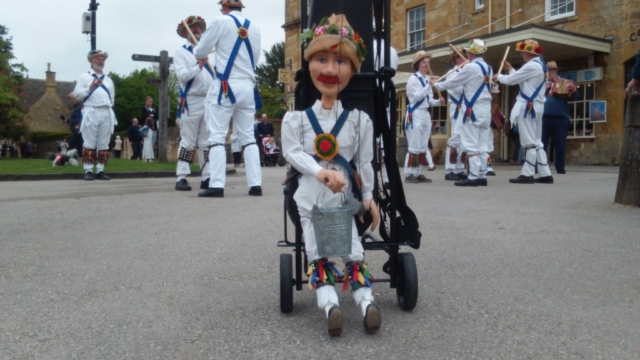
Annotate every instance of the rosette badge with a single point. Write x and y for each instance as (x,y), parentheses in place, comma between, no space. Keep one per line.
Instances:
(326,146)
(334,34)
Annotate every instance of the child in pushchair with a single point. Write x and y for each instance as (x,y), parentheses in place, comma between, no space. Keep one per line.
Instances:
(272,153)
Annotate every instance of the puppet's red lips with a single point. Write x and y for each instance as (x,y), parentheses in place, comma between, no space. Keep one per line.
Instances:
(330,80)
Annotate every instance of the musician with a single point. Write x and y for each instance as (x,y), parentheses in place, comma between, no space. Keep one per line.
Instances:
(320,143)
(195,78)
(528,110)
(98,119)
(555,120)
(232,94)
(454,167)
(417,124)
(475,78)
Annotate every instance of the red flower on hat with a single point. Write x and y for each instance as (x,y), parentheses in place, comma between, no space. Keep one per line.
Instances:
(539,50)
(190,20)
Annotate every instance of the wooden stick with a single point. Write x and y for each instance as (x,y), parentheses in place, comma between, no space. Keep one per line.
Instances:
(504,59)
(452,71)
(195,41)
(458,52)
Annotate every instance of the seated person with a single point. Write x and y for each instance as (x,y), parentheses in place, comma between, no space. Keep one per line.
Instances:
(270,144)
(323,160)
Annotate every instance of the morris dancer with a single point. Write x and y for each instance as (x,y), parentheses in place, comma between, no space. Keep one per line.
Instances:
(417,125)
(98,119)
(454,167)
(320,143)
(195,78)
(475,78)
(232,94)
(528,110)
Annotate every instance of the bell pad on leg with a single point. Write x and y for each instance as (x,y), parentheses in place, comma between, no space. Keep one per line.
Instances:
(88,156)
(185,155)
(322,272)
(357,274)
(103,157)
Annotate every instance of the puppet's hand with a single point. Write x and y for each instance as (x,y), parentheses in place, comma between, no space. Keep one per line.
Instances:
(372,208)
(333,179)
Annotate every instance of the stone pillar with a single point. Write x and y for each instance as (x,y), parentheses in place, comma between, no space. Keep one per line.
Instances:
(628,191)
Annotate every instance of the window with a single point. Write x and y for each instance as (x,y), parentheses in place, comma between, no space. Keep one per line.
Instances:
(579,125)
(479,4)
(557,9)
(439,115)
(415,28)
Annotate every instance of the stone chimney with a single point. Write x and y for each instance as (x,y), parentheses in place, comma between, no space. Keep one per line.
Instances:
(51,80)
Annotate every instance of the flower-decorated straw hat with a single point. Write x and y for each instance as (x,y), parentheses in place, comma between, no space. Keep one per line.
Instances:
(419,56)
(231,3)
(552,65)
(529,46)
(95,53)
(191,20)
(335,34)
(476,46)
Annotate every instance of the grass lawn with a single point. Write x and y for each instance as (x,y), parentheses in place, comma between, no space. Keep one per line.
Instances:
(43,166)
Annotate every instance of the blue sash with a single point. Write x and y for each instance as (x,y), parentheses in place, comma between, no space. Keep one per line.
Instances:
(315,124)
(469,115)
(224,78)
(182,105)
(96,88)
(530,110)
(411,109)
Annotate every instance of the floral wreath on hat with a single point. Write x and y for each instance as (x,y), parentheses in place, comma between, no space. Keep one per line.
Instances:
(475,48)
(324,28)
(190,21)
(529,47)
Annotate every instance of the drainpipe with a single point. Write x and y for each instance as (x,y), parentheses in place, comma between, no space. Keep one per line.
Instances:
(489,16)
(508,15)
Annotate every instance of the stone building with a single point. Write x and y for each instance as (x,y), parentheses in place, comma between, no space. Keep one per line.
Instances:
(47,100)
(593,43)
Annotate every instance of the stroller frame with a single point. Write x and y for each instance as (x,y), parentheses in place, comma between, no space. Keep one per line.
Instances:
(398,225)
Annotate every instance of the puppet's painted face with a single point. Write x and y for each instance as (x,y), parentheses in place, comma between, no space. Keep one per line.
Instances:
(330,72)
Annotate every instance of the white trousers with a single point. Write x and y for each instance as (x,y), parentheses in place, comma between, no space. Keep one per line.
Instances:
(531,140)
(454,142)
(418,139)
(327,296)
(97,127)
(489,147)
(474,137)
(194,132)
(218,118)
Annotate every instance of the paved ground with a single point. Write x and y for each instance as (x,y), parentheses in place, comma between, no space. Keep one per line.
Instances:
(131,269)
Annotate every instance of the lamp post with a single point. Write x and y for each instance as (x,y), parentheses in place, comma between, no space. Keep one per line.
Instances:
(93,7)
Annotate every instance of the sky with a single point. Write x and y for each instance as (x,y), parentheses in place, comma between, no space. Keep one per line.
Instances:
(51,31)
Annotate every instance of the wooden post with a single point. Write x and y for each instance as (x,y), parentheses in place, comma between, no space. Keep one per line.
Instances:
(164,105)
(628,190)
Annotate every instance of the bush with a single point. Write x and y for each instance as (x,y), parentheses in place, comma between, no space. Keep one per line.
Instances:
(45,136)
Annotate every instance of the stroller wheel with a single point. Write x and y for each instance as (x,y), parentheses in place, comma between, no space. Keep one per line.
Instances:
(286,283)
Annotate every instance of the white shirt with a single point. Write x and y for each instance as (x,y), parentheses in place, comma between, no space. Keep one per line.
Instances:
(457,91)
(99,98)
(379,62)
(354,143)
(471,79)
(529,77)
(223,34)
(187,68)
(415,92)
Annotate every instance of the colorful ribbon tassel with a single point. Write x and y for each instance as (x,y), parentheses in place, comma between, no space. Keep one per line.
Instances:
(225,88)
(359,276)
(322,272)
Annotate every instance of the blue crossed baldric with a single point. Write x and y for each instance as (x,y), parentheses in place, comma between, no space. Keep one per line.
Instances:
(411,109)
(457,103)
(469,114)
(96,88)
(530,109)
(183,105)
(243,37)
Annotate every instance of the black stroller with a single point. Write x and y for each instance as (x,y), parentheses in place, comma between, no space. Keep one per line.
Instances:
(272,153)
(370,91)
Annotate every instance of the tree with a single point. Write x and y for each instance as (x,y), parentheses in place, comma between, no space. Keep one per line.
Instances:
(131,91)
(12,111)
(272,91)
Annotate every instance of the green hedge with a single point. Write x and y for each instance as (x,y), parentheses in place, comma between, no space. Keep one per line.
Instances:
(44,136)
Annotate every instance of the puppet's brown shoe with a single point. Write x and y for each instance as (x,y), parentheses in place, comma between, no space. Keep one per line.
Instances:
(372,319)
(334,321)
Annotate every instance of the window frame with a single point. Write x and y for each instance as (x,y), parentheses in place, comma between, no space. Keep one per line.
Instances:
(477,4)
(419,44)
(548,9)
(585,120)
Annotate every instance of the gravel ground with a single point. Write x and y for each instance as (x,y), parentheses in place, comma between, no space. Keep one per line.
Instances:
(131,269)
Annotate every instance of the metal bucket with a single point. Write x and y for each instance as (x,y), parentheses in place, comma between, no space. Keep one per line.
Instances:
(332,226)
